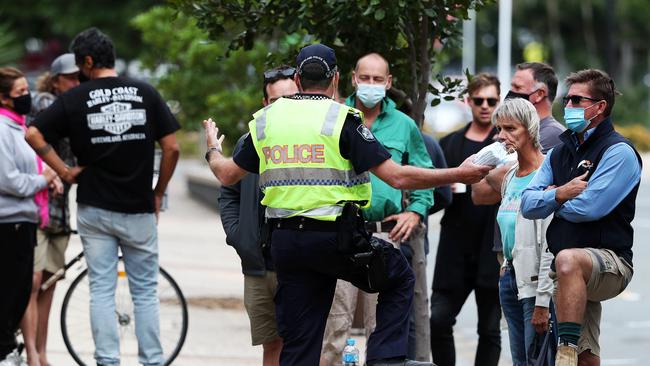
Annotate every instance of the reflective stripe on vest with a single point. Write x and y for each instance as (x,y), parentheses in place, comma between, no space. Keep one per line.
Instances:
(311,177)
(261,123)
(330,119)
(301,168)
(279,213)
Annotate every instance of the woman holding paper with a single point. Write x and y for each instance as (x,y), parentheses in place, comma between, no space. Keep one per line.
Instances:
(525,288)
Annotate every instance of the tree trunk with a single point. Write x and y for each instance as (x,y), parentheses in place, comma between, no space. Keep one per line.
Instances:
(413,63)
(424,44)
(627,65)
(421,298)
(611,56)
(586,8)
(557,44)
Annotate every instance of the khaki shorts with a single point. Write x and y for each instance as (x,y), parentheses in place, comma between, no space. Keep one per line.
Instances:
(339,320)
(258,299)
(610,275)
(49,254)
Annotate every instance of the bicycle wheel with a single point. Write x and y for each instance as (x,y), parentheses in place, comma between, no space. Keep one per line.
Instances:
(75,319)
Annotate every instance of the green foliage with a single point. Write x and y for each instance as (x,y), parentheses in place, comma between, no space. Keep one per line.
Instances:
(633,106)
(10,49)
(199,78)
(403,31)
(606,34)
(638,134)
(62,20)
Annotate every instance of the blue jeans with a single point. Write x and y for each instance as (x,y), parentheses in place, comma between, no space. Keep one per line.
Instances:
(518,313)
(102,233)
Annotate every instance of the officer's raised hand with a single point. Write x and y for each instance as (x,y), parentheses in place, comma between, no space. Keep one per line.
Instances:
(225,169)
(471,173)
(212,138)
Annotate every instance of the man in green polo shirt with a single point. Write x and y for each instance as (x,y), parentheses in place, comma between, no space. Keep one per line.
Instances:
(387,217)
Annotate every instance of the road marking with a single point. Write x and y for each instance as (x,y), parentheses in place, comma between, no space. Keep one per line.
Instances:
(619,361)
(629,296)
(641,222)
(638,325)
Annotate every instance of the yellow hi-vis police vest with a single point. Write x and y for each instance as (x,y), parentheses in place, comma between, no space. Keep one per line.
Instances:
(302,172)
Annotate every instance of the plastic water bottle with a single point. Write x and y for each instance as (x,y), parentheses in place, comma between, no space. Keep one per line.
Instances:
(350,354)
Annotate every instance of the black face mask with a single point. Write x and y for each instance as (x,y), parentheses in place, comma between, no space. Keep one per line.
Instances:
(82,77)
(22,104)
(512,95)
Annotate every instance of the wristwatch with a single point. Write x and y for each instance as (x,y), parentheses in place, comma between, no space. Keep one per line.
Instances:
(210,150)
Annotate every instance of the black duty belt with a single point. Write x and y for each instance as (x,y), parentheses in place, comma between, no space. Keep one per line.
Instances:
(380,227)
(302,223)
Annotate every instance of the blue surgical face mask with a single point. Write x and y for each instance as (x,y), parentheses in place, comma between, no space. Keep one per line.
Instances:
(371,94)
(575,118)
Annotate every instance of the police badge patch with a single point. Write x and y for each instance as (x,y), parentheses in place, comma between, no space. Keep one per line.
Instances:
(365,133)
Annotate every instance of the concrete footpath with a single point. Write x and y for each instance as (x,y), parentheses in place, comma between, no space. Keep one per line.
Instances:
(194,252)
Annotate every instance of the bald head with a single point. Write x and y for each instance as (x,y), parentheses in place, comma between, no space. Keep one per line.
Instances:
(374,59)
(372,69)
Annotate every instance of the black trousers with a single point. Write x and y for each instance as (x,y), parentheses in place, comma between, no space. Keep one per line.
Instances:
(17,241)
(445,306)
(308,264)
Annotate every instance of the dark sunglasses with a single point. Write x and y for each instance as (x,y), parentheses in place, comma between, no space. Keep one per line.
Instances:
(576,99)
(276,73)
(479,101)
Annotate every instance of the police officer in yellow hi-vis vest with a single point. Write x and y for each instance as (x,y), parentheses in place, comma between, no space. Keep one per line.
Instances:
(313,156)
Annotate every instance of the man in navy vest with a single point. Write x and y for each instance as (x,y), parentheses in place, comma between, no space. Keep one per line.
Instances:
(589,182)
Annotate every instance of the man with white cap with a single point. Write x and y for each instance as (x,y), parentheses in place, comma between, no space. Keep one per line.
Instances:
(63,75)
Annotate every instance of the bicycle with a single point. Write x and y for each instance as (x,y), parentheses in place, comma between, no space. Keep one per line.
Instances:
(75,318)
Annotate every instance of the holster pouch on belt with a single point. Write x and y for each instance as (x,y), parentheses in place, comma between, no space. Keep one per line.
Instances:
(351,236)
(377,268)
(265,234)
(364,250)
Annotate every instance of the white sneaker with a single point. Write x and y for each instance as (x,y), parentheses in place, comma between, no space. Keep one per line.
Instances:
(567,355)
(13,359)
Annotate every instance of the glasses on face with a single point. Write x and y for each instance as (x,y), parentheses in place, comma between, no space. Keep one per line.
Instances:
(479,101)
(276,73)
(576,99)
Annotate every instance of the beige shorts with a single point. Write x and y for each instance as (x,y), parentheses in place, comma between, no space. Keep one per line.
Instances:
(49,254)
(339,320)
(610,275)
(258,299)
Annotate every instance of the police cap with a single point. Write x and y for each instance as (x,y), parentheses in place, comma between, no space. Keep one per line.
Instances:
(316,62)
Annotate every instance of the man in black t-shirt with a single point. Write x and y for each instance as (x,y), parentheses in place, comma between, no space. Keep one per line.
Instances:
(113,124)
